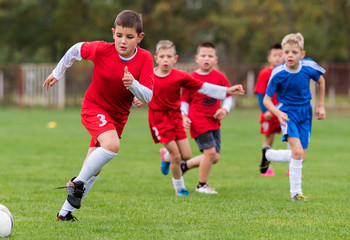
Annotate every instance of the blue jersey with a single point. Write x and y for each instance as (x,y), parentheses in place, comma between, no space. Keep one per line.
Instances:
(292,87)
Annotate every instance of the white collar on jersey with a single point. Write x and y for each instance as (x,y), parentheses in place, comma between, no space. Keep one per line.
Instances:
(202,73)
(158,75)
(127,59)
(293,70)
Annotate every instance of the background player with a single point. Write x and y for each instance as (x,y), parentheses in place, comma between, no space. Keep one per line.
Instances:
(269,124)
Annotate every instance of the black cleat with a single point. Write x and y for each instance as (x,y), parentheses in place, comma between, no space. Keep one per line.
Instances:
(264,165)
(75,191)
(68,217)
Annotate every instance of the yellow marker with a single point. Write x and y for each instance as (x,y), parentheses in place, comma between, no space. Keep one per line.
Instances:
(52,124)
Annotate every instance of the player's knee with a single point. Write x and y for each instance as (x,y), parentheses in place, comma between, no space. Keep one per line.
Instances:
(216,158)
(298,154)
(175,157)
(112,146)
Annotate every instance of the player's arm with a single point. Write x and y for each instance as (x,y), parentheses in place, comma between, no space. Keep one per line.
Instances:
(320,110)
(220,92)
(66,61)
(282,117)
(225,108)
(141,92)
(184,111)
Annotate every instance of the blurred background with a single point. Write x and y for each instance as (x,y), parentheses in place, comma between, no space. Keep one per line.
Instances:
(35,34)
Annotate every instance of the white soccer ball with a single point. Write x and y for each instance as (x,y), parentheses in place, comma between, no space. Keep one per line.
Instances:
(6,222)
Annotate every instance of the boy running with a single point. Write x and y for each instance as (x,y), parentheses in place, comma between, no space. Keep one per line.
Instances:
(202,115)
(291,83)
(165,118)
(269,124)
(122,71)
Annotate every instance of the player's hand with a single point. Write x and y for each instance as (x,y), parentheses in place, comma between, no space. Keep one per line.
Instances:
(220,113)
(128,78)
(267,115)
(186,121)
(137,102)
(49,82)
(236,89)
(320,113)
(282,117)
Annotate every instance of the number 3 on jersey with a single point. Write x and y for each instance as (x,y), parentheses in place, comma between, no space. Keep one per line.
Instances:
(102,119)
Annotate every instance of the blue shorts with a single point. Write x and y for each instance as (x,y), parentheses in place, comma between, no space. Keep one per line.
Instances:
(209,139)
(299,124)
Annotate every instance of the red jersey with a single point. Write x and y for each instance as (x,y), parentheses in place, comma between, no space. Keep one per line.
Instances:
(263,80)
(201,107)
(107,90)
(166,92)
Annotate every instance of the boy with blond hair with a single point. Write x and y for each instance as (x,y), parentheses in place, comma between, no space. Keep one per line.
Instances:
(122,71)
(291,82)
(202,115)
(269,124)
(165,120)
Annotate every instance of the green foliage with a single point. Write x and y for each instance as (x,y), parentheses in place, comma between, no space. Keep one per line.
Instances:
(132,200)
(41,31)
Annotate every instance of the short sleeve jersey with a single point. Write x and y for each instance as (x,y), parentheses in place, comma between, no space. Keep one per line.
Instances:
(292,87)
(167,89)
(201,107)
(263,80)
(107,90)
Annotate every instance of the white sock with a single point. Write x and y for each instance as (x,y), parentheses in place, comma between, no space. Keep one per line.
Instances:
(281,155)
(94,163)
(89,185)
(167,156)
(295,167)
(178,184)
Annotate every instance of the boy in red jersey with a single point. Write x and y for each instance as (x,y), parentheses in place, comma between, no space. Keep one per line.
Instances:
(269,122)
(202,115)
(165,118)
(122,71)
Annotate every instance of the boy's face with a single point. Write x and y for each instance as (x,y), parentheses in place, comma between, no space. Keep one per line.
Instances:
(275,57)
(126,40)
(206,59)
(292,54)
(166,59)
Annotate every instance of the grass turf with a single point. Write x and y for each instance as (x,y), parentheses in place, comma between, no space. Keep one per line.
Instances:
(133,200)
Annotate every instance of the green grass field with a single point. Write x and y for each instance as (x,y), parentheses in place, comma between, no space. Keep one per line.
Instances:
(133,200)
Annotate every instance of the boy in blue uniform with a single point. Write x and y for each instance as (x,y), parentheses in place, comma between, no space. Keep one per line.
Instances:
(291,82)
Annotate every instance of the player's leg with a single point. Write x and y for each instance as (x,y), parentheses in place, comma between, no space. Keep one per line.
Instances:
(268,141)
(295,168)
(175,156)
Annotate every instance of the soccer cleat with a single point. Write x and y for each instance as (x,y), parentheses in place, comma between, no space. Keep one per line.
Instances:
(182,192)
(269,173)
(165,164)
(75,191)
(299,197)
(206,189)
(68,217)
(264,165)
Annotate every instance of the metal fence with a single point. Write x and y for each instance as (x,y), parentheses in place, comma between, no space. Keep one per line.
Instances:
(21,85)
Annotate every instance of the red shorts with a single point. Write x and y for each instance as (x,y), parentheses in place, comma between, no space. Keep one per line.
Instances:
(271,126)
(166,126)
(98,121)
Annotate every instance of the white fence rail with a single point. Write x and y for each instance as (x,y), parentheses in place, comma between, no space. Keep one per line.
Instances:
(31,91)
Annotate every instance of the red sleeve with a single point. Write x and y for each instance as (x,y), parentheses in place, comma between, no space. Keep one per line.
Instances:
(146,77)
(191,82)
(88,50)
(186,95)
(263,79)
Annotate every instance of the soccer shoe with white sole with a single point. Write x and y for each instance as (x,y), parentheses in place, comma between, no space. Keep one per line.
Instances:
(68,217)
(182,192)
(299,197)
(264,165)
(75,191)
(206,189)
(165,164)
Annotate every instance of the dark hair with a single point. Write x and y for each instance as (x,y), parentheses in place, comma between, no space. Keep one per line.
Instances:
(206,45)
(129,19)
(274,46)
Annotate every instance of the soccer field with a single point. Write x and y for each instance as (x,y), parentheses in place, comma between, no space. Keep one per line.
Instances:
(133,200)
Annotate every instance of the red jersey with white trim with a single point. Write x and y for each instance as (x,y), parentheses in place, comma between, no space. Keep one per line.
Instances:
(201,107)
(107,90)
(263,80)
(166,92)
